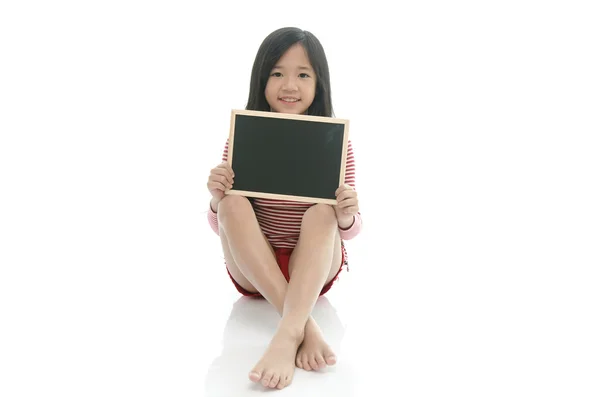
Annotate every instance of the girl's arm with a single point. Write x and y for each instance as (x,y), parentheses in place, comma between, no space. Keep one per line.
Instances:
(348,232)
(212,214)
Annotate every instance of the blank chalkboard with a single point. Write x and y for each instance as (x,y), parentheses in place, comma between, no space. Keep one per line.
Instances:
(286,156)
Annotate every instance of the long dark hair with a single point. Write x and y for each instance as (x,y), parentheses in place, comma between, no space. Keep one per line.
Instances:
(271,49)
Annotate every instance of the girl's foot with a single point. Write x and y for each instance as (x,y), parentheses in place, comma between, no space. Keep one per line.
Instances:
(276,367)
(314,353)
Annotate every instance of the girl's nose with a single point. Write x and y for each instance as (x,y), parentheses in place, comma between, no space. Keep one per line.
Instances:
(290,84)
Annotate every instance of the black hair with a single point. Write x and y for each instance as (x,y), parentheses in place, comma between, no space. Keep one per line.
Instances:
(269,52)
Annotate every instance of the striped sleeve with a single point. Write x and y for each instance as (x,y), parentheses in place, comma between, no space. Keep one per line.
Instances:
(352,231)
(212,215)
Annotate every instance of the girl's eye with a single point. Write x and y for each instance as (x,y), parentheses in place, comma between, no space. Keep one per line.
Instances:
(276,74)
(304,75)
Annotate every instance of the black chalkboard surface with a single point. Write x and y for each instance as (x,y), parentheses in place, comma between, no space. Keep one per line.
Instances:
(286,156)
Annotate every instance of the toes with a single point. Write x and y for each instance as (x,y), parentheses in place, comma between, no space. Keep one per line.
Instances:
(274,381)
(267,378)
(299,361)
(284,381)
(287,380)
(313,363)
(321,361)
(255,375)
(330,357)
(305,364)
(306,367)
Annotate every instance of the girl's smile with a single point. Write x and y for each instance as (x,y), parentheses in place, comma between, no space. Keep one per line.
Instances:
(289,101)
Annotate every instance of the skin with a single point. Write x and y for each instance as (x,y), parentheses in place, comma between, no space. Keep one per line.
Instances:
(315,261)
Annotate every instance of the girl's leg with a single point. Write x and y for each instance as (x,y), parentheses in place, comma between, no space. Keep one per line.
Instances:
(251,262)
(315,353)
(249,256)
(313,263)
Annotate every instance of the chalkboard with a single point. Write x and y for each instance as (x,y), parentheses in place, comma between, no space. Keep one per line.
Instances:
(286,156)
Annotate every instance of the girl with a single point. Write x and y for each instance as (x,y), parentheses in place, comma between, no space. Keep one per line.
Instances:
(290,253)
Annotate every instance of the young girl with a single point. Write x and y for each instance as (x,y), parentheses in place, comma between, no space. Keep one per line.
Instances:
(287,252)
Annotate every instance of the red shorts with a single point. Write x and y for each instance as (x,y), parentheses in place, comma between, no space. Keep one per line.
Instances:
(282,255)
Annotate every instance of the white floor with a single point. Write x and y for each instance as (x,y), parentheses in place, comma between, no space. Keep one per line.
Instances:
(150,321)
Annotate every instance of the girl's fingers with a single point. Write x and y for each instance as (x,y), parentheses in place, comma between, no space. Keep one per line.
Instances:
(222,172)
(346,194)
(347,203)
(227,167)
(221,179)
(343,188)
(217,186)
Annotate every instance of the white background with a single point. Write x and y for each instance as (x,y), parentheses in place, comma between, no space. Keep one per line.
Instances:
(475,126)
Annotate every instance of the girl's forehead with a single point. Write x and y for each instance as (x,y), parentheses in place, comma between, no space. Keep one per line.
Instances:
(295,53)
(293,63)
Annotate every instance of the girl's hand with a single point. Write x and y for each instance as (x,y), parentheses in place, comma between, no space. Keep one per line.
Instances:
(220,180)
(347,205)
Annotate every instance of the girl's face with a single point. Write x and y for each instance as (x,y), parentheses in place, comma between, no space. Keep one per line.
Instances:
(292,82)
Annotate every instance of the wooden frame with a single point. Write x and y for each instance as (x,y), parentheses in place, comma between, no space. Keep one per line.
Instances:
(318,119)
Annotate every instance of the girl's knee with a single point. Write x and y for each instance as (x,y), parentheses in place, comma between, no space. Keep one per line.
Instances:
(232,207)
(319,212)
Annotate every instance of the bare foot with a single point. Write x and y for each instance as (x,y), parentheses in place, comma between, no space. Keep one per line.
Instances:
(276,367)
(314,353)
